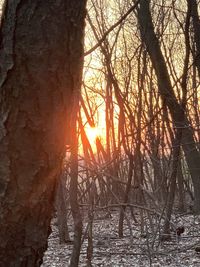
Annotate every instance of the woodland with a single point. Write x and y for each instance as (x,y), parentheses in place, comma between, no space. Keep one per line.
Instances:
(99,133)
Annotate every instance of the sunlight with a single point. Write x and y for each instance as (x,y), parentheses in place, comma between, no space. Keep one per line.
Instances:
(92,134)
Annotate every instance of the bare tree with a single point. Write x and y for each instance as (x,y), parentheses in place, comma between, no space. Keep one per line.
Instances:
(165,88)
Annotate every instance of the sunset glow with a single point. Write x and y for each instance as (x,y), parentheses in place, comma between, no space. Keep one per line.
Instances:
(92,134)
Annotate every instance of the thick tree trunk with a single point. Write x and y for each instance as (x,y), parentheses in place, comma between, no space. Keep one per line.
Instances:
(191,152)
(41,54)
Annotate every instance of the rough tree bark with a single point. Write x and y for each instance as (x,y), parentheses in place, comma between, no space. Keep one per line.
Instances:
(179,118)
(41,55)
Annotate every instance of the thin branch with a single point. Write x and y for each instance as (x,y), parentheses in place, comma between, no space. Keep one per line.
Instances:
(112,28)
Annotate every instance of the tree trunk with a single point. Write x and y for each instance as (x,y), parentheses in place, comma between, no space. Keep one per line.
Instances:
(74,261)
(126,196)
(61,207)
(41,55)
(166,91)
(196,28)
(172,183)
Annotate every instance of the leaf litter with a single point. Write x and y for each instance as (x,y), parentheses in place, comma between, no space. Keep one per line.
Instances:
(134,249)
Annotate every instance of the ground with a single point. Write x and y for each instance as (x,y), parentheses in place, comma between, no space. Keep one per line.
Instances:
(134,249)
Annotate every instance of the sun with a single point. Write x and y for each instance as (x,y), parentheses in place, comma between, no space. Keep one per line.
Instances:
(92,134)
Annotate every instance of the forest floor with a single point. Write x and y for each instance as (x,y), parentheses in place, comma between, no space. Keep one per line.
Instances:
(134,249)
